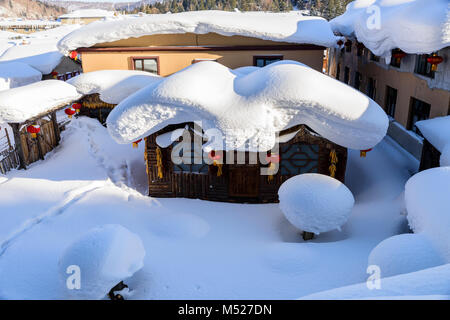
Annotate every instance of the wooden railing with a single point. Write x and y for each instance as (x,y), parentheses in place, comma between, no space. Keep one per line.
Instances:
(9,158)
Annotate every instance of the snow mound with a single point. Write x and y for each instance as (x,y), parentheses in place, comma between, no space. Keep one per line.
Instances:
(414,26)
(445,156)
(436,131)
(283,27)
(428,206)
(405,253)
(112,85)
(17,74)
(315,203)
(20,104)
(252,107)
(105,256)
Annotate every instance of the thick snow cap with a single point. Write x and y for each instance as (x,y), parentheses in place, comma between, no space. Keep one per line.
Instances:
(112,85)
(105,256)
(285,27)
(414,26)
(16,74)
(315,203)
(23,103)
(436,130)
(249,109)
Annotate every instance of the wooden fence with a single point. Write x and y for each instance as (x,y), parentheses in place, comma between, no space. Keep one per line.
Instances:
(9,158)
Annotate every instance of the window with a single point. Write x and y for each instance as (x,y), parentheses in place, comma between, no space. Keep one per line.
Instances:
(423,67)
(419,111)
(346,75)
(299,158)
(338,71)
(372,88)
(374,57)
(395,62)
(360,49)
(348,46)
(262,61)
(146,64)
(358,79)
(391,101)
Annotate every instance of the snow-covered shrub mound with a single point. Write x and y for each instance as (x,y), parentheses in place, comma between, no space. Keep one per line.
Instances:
(428,205)
(105,256)
(315,203)
(445,156)
(405,253)
(414,26)
(112,85)
(252,107)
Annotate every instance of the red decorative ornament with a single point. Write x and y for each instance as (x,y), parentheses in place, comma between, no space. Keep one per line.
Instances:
(54,74)
(74,55)
(399,55)
(363,153)
(213,156)
(70,112)
(77,107)
(33,130)
(434,60)
(340,43)
(136,143)
(272,158)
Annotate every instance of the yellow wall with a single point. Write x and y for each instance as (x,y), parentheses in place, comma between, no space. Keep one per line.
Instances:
(78,20)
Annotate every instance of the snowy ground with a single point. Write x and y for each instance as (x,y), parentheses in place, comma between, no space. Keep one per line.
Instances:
(194,249)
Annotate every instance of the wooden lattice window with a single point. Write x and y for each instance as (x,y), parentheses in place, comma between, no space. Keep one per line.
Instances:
(191,159)
(299,158)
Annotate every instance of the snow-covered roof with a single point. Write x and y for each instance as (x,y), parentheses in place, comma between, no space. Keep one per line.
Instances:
(87,13)
(23,103)
(285,27)
(414,26)
(40,54)
(248,110)
(436,131)
(16,74)
(112,85)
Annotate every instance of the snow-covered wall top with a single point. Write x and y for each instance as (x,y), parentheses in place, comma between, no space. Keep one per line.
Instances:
(414,26)
(436,130)
(285,27)
(25,23)
(20,104)
(249,109)
(87,13)
(112,85)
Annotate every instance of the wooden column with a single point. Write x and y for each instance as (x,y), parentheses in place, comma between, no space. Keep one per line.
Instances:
(55,127)
(18,142)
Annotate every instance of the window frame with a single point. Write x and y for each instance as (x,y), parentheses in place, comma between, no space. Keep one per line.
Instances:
(423,64)
(387,100)
(133,63)
(411,125)
(268,57)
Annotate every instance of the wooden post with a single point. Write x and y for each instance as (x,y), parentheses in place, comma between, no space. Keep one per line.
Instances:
(7,137)
(38,141)
(15,128)
(55,127)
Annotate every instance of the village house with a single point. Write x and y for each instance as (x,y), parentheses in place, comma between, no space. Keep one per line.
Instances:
(165,44)
(411,80)
(27,26)
(85,16)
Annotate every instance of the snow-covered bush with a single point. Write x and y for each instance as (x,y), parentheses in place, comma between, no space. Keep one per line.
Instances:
(315,203)
(104,257)
(428,205)
(405,253)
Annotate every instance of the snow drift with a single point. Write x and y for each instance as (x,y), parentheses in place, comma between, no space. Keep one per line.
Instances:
(17,74)
(112,85)
(414,26)
(284,27)
(315,203)
(23,103)
(105,256)
(249,109)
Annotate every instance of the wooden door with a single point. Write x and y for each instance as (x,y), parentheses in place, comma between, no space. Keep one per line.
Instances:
(244,182)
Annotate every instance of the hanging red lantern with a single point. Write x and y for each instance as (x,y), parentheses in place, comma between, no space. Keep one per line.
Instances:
(74,55)
(77,107)
(399,55)
(136,143)
(213,156)
(363,153)
(434,60)
(70,112)
(340,43)
(54,74)
(272,158)
(33,129)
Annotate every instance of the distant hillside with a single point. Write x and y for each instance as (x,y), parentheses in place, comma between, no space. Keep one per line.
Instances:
(30,9)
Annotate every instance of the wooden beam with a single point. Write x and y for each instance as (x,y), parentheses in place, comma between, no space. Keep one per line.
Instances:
(18,142)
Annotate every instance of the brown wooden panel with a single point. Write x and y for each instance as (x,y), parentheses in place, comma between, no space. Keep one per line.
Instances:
(244,181)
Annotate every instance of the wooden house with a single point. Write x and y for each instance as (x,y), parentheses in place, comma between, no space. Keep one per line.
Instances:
(301,150)
(92,106)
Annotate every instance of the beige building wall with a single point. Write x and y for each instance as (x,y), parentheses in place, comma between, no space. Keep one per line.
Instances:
(177,51)
(79,20)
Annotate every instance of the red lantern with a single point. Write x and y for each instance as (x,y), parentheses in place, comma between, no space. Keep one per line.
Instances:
(54,74)
(70,112)
(363,153)
(399,55)
(340,43)
(213,156)
(77,107)
(434,60)
(272,158)
(74,55)
(136,143)
(33,130)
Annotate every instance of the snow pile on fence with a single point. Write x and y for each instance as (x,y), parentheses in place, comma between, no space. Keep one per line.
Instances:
(105,256)
(112,85)
(16,74)
(87,13)
(414,26)
(285,27)
(20,104)
(315,203)
(437,132)
(428,206)
(248,110)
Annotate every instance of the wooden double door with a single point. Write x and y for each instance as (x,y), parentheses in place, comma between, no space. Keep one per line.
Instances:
(243,181)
